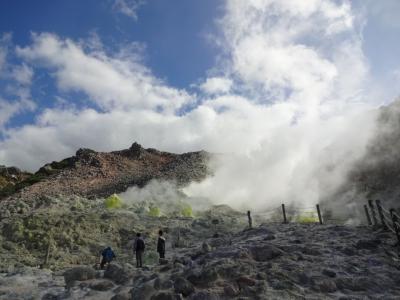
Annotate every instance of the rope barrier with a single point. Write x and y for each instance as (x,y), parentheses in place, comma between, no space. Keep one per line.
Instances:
(300,208)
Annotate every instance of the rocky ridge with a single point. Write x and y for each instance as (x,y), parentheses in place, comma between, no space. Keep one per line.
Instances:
(94,174)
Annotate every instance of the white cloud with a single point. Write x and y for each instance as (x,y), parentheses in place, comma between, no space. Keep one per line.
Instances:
(9,109)
(15,95)
(128,7)
(22,74)
(111,82)
(216,85)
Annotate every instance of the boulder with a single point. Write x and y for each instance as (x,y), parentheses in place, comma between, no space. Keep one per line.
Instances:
(122,293)
(324,285)
(79,274)
(163,284)
(265,252)
(145,291)
(244,281)
(230,291)
(102,285)
(329,273)
(183,286)
(117,274)
(203,276)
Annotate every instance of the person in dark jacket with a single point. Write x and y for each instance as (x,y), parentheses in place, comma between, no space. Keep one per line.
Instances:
(161,244)
(107,255)
(138,248)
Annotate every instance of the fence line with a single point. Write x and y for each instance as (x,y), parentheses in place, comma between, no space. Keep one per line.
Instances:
(290,211)
(389,219)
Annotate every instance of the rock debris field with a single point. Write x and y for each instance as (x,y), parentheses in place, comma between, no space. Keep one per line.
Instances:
(270,261)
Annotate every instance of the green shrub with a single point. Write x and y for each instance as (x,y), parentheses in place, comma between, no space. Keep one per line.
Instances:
(154,211)
(308,217)
(187,211)
(113,202)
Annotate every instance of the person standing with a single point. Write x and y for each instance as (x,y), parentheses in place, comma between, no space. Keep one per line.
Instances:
(161,244)
(138,248)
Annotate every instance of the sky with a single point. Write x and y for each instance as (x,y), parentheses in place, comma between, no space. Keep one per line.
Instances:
(284,85)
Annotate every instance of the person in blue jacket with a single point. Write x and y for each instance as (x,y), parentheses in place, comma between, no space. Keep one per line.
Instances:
(107,255)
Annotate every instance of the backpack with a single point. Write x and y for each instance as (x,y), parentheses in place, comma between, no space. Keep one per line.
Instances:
(108,254)
(139,245)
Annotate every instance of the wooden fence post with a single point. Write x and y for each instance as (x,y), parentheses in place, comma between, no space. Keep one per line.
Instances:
(367,214)
(284,214)
(380,211)
(396,228)
(249,219)
(319,214)
(371,206)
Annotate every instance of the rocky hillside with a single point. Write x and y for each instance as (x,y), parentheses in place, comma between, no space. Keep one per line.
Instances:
(98,174)
(272,261)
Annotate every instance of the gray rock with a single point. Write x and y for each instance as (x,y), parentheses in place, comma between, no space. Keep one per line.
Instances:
(230,291)
(102,285)
(244,281)
(202,277)
(325,285)
(121,296)
(329,273)
(50,296)
(163,296)
(265,252)
(183,286)
(203,295)
(349,251)
(79,274)
(117,274)
(145,291)
(368,244)
(163,284)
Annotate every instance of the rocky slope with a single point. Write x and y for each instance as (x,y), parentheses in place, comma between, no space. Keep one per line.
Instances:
(271,261)
(97,174)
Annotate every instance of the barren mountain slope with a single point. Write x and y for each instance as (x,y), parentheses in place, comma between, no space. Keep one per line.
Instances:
(98,174)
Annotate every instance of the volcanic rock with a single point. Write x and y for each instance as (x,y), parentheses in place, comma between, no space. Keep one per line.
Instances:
(79,274)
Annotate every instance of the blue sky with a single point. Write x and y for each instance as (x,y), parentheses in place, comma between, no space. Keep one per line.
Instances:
(171,35)
(249,77)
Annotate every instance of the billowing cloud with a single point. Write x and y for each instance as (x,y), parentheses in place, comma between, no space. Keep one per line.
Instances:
(110,82)
(216,85)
